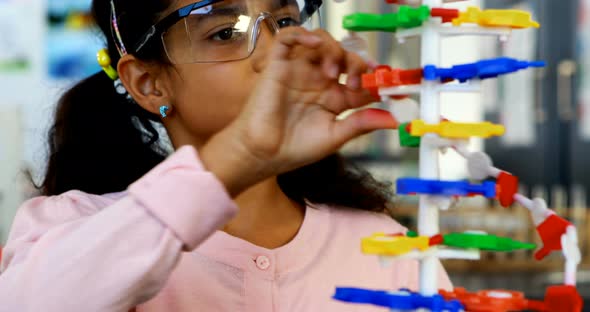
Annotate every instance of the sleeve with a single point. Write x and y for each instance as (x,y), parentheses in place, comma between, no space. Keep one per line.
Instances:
(64,254)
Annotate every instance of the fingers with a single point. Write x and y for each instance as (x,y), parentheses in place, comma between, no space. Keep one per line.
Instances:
(336,60)
(355,67)
(362,122)
(290,37)
(319,47)
(357,98)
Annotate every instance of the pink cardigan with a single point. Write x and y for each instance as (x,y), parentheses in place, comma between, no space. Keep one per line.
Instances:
(156,247)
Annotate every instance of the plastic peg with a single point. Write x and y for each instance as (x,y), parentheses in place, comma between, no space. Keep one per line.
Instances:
(436,240)
(484,69)
(405,138)
(401,300)
(488,300)
(487,242)
(457,130)
(406,17)
(381,244)
(447,15)
(551,231)
(409,17)
(384,76)
(412,234)
(563,298)
(506,188)
(370,22)
(549,225)
(496,18)
(408,186)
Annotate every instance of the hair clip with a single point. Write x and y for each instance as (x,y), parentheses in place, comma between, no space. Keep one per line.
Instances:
(104,60)
(115,33)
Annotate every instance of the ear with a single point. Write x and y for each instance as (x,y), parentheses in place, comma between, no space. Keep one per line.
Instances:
(146,83)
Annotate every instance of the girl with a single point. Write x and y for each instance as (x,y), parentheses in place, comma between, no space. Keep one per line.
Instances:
(251,112)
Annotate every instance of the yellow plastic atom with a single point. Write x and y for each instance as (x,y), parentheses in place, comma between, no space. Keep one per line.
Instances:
(496,18)
(457,130)
(386,245)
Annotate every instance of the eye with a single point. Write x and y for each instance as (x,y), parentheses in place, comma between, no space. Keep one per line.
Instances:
(225,34)
(287,22)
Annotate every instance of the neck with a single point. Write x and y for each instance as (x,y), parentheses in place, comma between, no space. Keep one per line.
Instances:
(267,217)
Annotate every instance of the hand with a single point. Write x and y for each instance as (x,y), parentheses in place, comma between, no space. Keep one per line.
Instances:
(290,118)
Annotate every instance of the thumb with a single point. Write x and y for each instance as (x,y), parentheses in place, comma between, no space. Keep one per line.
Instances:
(362,122)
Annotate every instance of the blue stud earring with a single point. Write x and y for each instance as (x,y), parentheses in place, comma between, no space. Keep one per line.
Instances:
(163,110)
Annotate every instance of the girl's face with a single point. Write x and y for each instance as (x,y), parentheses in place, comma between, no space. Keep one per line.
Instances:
(215,70)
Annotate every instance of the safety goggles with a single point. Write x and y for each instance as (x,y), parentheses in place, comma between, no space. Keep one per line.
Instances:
(223,30)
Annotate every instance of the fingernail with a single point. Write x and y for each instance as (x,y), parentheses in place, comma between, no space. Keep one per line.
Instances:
(334,71)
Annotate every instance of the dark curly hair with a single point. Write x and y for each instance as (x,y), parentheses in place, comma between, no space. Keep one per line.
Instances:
(100,142)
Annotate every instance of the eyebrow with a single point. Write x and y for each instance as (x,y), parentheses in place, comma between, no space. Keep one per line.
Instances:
(283,3)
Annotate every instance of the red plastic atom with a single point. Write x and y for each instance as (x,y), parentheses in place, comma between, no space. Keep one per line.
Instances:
(447,15)
(488,300)
(507,186)
(563,298)
(550,231)
(558,298)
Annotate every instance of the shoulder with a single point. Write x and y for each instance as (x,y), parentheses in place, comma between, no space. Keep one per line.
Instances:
(361,222)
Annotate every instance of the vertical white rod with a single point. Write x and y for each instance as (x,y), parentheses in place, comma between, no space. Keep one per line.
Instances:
(428,220)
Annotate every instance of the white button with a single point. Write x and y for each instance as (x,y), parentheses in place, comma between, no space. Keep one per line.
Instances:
(262,262)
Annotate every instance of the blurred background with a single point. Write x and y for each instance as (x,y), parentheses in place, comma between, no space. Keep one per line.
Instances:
(47,45)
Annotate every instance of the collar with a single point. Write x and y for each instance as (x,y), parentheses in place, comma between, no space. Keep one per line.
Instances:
(271,263)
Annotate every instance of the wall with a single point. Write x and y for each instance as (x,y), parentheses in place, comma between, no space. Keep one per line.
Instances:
(21,92)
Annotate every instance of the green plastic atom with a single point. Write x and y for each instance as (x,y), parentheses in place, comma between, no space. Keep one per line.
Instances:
(484,242)
(409,17)
(405,138)
(406,17)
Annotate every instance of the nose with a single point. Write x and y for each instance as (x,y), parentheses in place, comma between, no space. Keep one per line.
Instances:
(268,27)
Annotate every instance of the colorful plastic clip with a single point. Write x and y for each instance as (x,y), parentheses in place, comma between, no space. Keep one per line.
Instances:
(405,138)
(401,300)
(104,60)
(551,231)
(388,245)
(384,76)
(488,300)
(558,298)
(484,69)
(487,242)
(457,130)
(496,18)
(563,298)
(407,186)
(447,15)
(506,187)
(406,17)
